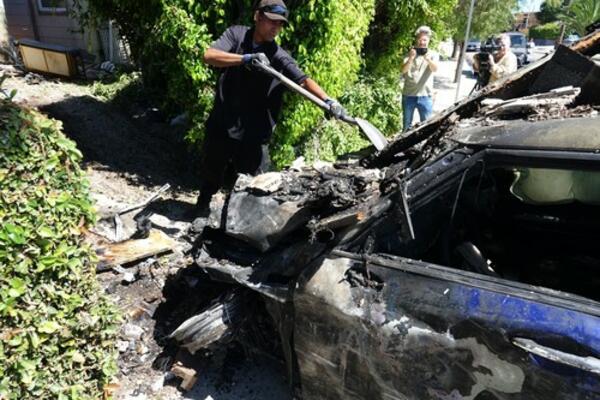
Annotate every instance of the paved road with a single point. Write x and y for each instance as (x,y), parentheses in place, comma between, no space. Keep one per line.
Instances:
(445,86)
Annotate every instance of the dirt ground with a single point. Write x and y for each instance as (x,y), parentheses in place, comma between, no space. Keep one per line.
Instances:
(129,153)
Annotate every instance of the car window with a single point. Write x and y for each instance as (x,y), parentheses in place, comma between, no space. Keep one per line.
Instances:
(517,41)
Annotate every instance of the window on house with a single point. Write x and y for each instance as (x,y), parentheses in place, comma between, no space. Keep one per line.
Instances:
(52,6)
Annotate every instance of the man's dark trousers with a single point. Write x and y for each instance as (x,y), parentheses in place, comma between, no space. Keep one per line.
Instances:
(224,157)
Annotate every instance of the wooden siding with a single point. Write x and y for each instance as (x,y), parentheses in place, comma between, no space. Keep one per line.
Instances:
(59,29)
(52,28)
(18,19)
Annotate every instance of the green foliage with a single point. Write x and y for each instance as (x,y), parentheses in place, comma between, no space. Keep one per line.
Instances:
(56,331)
(490,17)
(179,44)
(136,18)
(550,31)
(551,13)
(375,99)
(580,14)
(329,52)
(392,32)
(121,87)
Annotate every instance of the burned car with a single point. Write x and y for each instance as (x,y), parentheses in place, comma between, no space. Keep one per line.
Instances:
(460,262)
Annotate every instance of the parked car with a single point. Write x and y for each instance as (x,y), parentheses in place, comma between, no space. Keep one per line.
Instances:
(473,45)
(570,39)
(518,45)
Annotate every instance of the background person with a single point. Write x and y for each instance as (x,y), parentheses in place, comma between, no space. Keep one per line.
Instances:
(247,101)
(502,63)
(417,71)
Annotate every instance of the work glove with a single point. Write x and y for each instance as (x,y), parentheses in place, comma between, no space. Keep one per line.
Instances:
(253,60)
(335,109)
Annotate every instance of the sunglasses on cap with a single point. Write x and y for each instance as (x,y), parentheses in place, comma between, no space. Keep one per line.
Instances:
(276,9)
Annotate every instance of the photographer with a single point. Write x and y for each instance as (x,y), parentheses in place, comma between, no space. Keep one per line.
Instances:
(417,71)
(500,62)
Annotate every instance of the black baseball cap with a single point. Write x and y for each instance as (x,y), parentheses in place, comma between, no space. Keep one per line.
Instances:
(275,10)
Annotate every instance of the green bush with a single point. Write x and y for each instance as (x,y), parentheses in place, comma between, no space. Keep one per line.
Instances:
(326,38)
(374,99)
(56,330)
(126,86)
(550,31)
(332,40)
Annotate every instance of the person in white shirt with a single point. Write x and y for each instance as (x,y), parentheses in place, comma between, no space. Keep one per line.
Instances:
(502,63)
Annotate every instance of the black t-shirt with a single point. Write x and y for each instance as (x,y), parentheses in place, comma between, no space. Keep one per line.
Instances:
(247,102)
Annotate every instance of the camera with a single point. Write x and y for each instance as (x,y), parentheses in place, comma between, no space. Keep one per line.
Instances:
(421,51)
(489,48)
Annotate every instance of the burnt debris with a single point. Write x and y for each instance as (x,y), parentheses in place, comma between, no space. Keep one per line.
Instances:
(410,273)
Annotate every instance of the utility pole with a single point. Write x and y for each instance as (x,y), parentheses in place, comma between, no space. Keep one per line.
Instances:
(463,51)
(563,26)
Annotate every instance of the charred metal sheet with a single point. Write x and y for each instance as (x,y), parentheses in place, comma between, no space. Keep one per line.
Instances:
(581,134)
(421,338)
(569,67)
(263,210)
(262,221)
(217,323)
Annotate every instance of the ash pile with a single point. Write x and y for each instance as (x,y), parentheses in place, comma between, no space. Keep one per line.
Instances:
(368,277)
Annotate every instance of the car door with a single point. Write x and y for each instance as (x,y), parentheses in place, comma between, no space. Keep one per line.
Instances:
(382,327)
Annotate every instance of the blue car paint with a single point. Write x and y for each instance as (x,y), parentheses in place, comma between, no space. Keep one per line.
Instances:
(521,315)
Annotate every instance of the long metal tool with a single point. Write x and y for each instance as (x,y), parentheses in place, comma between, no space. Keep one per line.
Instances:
(374,135)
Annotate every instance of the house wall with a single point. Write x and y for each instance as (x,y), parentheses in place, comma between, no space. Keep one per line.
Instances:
(24,20)
(54,28)
(18,19)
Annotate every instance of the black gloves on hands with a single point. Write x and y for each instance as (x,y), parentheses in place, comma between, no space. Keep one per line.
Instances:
(254,60)
(335,109)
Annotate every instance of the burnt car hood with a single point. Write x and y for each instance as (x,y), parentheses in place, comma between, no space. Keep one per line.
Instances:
(572,134)
(333,250)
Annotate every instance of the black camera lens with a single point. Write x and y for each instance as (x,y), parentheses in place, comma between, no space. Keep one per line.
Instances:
(421,50)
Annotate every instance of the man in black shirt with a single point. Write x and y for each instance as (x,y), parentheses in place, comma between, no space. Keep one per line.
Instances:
(247,101)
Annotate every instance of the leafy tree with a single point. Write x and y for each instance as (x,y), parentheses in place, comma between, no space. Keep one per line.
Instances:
(392,31)
(333,40)
(550,11)
(490,17)
(326,37)
(580,14)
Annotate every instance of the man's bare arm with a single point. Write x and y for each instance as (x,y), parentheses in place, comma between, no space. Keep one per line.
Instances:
(314,88)
(222,59)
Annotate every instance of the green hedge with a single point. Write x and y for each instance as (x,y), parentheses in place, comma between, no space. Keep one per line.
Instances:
(326,38)
(56,330)
(549,31)
(377,99)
